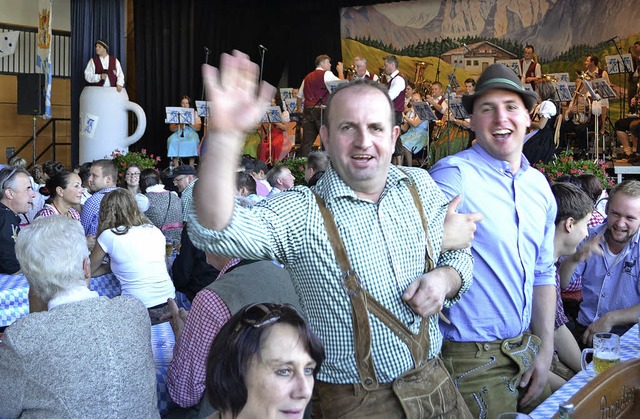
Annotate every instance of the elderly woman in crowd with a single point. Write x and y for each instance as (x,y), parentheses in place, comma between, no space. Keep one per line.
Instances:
(136,250)
(262,364)
(84,355)
(165,207)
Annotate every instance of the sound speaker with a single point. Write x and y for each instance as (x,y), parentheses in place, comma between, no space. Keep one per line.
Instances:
(30,94)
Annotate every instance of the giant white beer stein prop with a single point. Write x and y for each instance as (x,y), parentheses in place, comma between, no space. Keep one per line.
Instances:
(104,122)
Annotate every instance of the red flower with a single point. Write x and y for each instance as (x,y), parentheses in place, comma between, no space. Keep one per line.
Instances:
(144,151)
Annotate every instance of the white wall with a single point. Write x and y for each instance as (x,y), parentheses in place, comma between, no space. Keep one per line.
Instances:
(24,12)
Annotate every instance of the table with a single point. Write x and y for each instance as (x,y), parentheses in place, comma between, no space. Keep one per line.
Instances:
(14,303)
(621,167)
(629,348)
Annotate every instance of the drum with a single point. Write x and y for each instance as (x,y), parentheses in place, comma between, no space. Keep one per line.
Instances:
(449,138)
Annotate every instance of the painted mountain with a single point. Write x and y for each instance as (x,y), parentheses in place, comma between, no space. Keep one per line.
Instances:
(552,26)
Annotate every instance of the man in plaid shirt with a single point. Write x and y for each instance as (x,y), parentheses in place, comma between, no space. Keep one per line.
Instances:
(372,205)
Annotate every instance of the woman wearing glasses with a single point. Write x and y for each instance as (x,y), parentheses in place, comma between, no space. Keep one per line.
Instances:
(132,182)
(262,364)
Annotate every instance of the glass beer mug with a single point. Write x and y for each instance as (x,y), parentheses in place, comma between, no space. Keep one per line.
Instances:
(606,352)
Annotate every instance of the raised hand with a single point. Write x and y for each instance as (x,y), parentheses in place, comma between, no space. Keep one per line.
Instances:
(236,101)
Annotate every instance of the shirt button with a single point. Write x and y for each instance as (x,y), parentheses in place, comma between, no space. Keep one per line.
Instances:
(604,295)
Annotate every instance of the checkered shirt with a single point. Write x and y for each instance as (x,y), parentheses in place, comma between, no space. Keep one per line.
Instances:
(91,210)
(49,210)
(596,219)
(187,371)
(386,246)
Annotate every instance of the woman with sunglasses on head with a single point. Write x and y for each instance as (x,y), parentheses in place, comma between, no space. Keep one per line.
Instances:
(262,364)
(64,190)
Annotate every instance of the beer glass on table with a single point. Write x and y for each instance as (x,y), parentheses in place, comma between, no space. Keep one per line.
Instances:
(606,352)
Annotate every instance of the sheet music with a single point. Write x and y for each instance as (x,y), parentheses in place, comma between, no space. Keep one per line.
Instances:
(333,85)
(289,105)
(179,115)
(562,91)
(512,64)
(424,111)
(616,66)
(286,93)
(202,108)
(459,112)
(273,114)
(603,88)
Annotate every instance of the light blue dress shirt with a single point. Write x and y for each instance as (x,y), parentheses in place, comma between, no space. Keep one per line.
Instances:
(512,248)
(608,288)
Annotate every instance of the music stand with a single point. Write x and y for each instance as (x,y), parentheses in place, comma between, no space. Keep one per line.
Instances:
(459,112)
(513,65)
(181,116)
(271,116)
(286,93)
(620,64)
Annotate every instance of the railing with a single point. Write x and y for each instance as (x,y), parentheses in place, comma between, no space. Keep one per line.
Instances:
(23,60)
(54,143)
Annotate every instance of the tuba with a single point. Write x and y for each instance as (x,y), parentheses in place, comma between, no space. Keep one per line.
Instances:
(423,86)
(582,103)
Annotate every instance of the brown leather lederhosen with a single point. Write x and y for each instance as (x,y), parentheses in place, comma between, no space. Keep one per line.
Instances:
(425,391)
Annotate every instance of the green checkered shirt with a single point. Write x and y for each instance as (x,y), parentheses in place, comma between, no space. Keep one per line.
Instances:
(385,242)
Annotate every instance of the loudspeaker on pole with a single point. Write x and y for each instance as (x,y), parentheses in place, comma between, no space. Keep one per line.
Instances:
(31,94)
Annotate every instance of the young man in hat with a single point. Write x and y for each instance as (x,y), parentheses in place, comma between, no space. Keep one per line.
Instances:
(104,69)
(487,349)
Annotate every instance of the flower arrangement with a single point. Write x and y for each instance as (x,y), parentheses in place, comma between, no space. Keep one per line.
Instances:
(564,164)
(124,159)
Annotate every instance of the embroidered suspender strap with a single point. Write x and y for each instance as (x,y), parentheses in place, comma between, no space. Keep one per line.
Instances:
(361,301)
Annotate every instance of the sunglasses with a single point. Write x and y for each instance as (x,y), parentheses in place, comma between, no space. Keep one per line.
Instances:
(8,178)
(262,314)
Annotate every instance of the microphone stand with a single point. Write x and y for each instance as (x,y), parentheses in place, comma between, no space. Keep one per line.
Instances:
(624,79)
(438,67)
(449,123)
(206,61)
(206,117)
(263,50)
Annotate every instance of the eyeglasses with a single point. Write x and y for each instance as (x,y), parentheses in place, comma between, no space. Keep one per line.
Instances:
(262,314)
(132,175)
(178,179)
(8,178)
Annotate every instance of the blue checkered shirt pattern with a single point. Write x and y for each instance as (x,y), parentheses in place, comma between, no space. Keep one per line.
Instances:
(386,245)
(91,210)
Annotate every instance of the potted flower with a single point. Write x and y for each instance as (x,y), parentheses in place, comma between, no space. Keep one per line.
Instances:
(124,159)
(564,164)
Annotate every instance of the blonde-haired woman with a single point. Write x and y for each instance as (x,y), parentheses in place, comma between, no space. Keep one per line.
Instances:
(136,250)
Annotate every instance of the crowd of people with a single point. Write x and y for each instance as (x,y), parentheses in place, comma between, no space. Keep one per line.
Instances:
(369,289)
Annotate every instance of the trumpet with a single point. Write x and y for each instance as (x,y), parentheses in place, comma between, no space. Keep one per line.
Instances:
(583,75)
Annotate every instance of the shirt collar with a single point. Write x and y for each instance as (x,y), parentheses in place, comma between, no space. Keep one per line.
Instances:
(500,165)
(73,295)
(332,187)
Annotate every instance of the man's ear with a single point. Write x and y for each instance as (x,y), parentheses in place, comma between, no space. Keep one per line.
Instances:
(568,224)
(86,266)
(324,136)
